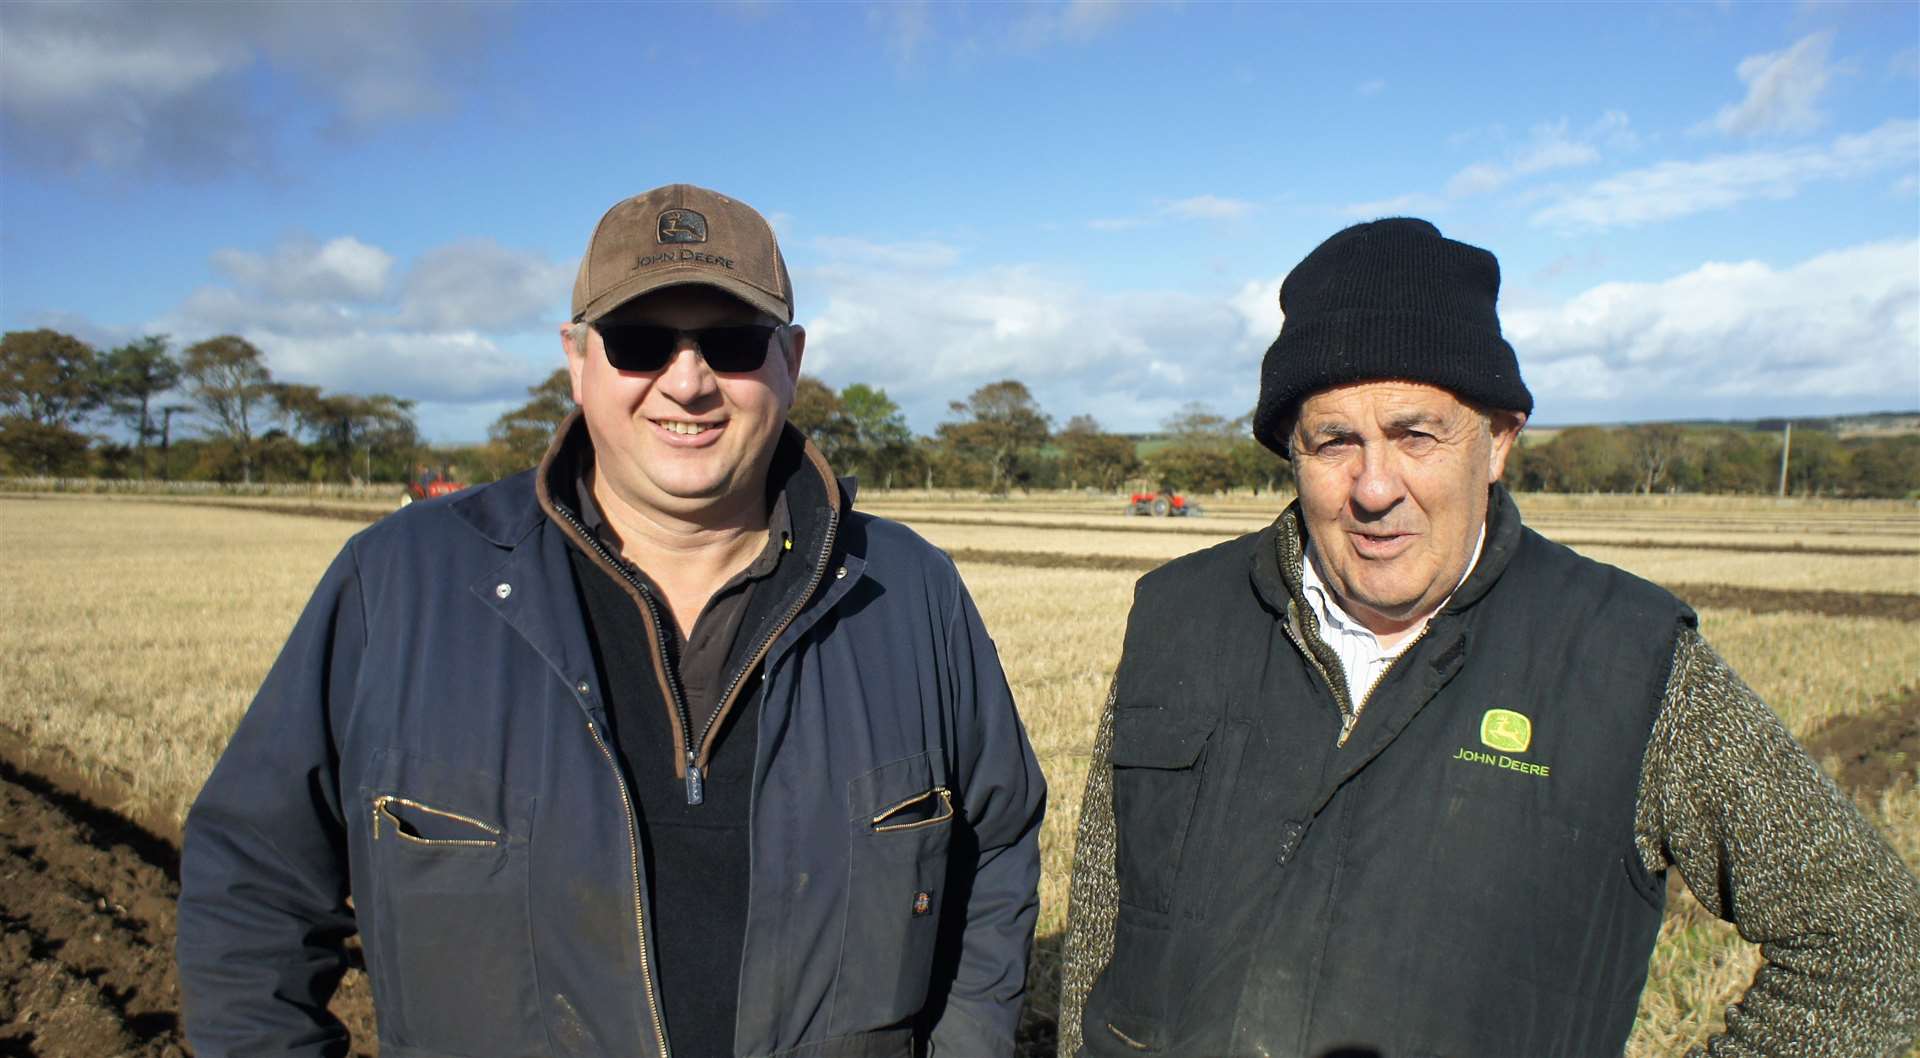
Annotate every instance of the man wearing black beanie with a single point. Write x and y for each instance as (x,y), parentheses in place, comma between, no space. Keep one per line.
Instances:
(1398,777)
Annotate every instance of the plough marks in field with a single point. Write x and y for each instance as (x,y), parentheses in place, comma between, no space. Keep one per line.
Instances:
(87,928)
(1896,606)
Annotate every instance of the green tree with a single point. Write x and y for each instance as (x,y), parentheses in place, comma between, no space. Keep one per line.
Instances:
(231,388)
(816,412)
(1887,467)
(132,376)
(882,445)
(1002,426)
(1199,455)
(1742,462)
(1817,464)
(1655,447)
(48,382)
(1582,459)
(1090,456)
(48,377)
(518,439)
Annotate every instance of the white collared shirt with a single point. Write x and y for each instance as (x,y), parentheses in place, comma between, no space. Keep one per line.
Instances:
(1362,658)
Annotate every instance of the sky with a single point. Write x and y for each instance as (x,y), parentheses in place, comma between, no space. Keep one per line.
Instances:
(1700,210)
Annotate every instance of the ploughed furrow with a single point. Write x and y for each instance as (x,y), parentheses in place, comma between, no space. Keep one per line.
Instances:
(1897,606)
(87,931)
(1870,753)
(1214,530)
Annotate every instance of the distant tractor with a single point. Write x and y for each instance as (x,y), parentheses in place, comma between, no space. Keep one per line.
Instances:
(431,485)
(1163,504)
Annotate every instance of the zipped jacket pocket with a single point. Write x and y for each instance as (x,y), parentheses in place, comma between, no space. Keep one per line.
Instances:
(928,809)
(440,888)
(423,824)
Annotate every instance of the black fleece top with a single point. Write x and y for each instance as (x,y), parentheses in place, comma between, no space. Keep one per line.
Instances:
(696,855)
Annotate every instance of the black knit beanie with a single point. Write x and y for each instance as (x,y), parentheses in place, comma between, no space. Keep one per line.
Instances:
(1388,299)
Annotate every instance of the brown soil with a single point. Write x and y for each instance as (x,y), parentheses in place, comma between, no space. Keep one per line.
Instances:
(87,928)
(1897,606)
(1184,527)
(1870,753)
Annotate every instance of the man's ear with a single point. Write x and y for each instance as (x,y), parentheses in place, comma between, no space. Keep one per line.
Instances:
(576,357)
(1505,427)
(796,346)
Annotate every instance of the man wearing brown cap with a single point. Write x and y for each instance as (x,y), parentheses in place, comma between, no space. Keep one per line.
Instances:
(658,749)
(1398,777)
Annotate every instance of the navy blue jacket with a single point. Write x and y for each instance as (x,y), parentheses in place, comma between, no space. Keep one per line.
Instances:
(428,762)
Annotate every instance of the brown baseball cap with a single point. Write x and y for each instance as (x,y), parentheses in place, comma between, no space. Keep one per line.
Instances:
(676,235)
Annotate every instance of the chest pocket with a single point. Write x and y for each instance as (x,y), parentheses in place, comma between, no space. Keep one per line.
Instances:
(1159,760)
(448,907)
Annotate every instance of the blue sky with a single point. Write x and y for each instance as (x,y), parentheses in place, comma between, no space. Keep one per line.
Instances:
(1700,210)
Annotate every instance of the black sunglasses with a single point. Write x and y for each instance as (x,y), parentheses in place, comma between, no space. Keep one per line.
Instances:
(649,347)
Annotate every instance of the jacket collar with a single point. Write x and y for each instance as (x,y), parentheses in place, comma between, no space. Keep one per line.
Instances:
(798,470)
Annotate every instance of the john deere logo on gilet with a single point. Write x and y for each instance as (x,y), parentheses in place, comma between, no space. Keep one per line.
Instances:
(1506,730)
(682,225)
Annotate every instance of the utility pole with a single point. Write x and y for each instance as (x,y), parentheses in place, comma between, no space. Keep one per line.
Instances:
(1786,445)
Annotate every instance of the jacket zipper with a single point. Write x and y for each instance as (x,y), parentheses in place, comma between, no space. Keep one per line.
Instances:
(696,748)
(1350,715)
(639,916)
(813,585)
(696,781)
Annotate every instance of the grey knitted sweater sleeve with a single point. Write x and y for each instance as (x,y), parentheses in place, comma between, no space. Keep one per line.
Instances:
(1765,840)
(1761,836)
(1094,898)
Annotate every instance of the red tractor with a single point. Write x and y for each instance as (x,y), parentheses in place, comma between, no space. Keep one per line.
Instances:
(431,485)
(1163,504)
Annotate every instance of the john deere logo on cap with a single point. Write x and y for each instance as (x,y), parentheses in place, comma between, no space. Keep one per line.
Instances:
(1506,730)
(682,225)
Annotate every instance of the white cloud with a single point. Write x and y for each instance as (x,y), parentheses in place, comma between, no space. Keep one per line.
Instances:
(1548,147)
(1370,88)
(477,283)
(1783,90)
(1841,325)
(344,269)
(1678,189)
(161,86)
(344,315)
(445,366)
(1129,359)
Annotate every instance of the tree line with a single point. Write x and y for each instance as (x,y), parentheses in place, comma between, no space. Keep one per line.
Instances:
(1665,457)
(996,440)
(215,413)
(244,425)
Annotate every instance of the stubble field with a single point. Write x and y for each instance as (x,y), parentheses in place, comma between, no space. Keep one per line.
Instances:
(134,630)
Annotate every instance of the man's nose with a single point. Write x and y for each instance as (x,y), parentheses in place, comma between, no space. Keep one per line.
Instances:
(1378,484)
(687,376)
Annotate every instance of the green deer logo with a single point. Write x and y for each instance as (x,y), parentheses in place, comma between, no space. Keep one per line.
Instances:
(1506,730)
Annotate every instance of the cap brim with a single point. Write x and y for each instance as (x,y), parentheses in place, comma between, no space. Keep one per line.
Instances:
(662,278)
